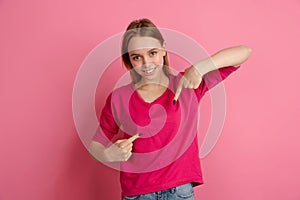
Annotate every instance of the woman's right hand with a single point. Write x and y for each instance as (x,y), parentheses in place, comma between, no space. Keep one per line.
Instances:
(120,151)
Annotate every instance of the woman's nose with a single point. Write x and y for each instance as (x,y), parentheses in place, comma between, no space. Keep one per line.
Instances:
(146,60)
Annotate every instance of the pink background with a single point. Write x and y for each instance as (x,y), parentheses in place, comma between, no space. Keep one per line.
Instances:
(43,43)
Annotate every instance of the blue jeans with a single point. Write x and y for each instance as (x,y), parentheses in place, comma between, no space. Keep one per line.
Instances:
(184,191)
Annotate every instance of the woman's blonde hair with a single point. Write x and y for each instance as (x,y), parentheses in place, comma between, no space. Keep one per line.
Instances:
(142,27)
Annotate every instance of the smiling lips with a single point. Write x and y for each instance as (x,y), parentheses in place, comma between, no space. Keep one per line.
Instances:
(149,71)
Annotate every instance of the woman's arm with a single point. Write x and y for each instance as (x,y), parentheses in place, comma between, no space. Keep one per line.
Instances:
(97,151)
(120,151)
(233,56)
(117,152)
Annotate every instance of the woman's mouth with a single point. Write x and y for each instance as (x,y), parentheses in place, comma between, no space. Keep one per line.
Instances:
(149,71)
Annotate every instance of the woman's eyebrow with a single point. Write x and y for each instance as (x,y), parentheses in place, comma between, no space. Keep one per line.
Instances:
(152,49)
(136,54)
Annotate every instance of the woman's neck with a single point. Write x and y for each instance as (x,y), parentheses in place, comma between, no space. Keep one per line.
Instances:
(161,81)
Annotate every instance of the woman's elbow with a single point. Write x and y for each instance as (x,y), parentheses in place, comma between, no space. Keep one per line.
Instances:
(245,53)
(247,50)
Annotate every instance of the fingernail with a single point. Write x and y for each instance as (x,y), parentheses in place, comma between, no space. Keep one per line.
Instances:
(140,134)
(174,101)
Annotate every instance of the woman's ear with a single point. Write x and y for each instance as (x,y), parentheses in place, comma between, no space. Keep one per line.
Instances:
(164,48)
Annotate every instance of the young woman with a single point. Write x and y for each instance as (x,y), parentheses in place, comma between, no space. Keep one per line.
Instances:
(149,126)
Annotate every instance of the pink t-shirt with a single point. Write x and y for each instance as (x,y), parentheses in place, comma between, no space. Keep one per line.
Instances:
(167,154)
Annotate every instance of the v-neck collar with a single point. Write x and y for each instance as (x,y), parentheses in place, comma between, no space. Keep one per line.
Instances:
(155,100)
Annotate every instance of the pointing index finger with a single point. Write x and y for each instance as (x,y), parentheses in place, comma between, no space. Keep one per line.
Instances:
(131,139)
(178,91)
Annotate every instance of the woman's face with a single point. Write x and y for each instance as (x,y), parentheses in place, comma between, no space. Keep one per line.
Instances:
(147,57)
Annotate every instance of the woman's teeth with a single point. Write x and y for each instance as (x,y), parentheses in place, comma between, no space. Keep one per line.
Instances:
(148,71)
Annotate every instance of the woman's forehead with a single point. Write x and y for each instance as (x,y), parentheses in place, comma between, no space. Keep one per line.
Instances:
(138,43)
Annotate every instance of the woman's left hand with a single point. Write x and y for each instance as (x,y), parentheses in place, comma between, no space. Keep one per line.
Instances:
(191,79)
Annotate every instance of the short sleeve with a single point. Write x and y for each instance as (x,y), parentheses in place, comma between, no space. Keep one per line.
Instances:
(212,78)
(108,127)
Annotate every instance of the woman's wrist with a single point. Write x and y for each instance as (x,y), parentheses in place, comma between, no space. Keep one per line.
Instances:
(205,66)
(99,152)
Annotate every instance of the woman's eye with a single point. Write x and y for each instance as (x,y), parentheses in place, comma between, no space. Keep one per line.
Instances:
(152,53)
(135,58)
